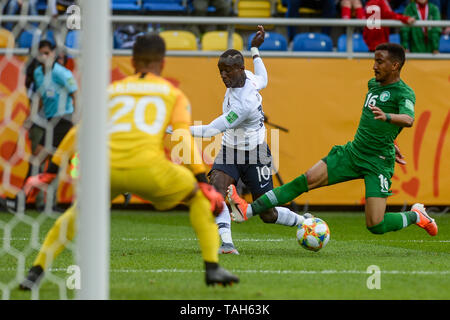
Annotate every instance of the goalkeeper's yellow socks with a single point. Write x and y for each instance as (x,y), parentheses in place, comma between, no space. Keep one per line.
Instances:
(394,221)
(205,227)
(279,195)
(58,236)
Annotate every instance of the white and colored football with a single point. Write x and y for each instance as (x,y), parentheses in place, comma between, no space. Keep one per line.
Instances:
(313,234)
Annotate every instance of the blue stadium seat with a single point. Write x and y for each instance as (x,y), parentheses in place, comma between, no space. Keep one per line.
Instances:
(41,5)
(359,44)
(273,41)
(128,5)
(29,38)
(164,5)
(49,36)
(312,42)
(444,44)
(394,38)
(72,39)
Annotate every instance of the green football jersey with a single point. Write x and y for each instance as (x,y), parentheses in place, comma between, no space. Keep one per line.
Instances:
(376,137)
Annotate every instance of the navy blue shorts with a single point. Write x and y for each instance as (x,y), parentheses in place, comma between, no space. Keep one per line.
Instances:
(253,167)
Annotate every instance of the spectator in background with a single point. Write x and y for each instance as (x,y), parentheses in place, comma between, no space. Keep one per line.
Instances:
(222,9)
(374,35)
(421,39)
(56,88)
(59,7)
(327,7)
(346,9)
(445,13)
(20,7)
(398,6)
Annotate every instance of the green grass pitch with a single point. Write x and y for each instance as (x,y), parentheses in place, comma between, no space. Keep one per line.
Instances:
(155,255)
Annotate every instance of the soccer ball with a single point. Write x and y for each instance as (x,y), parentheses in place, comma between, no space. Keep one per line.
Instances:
(313,234)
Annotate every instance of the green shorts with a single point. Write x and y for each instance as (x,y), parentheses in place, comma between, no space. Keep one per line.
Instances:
(343,164)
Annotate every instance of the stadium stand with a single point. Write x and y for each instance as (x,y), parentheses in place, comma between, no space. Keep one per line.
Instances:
(28,37)
(358,43)
(6,39)
(281,9)
(444,44)
(218,41)
(394,37)
(312,42)
(254,9)
(41,5)
(72,39)
(273,41)
(179,40)
(126,5)
(165,5)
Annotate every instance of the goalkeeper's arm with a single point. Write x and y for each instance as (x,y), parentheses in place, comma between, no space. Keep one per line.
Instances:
(193,160)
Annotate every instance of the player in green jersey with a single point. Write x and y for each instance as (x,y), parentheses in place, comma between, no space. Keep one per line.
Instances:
(388,108)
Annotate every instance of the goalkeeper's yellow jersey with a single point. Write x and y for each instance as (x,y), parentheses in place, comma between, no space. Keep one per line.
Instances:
(140,109)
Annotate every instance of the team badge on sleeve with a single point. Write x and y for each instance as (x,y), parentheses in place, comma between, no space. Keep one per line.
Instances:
(231,117)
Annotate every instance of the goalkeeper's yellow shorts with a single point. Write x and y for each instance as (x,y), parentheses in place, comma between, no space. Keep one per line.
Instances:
(164,183)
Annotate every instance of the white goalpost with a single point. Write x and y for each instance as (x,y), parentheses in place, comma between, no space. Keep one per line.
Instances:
(93,194)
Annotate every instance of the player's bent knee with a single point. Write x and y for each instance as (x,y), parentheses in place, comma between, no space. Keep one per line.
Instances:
(268,216)
(220,181)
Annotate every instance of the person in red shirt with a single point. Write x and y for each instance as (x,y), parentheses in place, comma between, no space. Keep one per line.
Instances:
(380,9)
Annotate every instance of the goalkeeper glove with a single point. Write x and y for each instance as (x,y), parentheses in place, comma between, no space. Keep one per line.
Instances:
(214,197)
(35,183)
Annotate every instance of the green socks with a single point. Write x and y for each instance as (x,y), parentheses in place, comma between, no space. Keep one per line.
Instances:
(280,195)
(394,221)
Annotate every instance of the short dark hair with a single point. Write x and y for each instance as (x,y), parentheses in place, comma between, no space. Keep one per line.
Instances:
(396,52)
(236,55)
(149,48)
(46,44)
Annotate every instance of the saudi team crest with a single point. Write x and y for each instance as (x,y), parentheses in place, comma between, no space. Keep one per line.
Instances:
(384,96)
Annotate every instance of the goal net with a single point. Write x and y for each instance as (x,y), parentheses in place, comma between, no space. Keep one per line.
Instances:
(53,79)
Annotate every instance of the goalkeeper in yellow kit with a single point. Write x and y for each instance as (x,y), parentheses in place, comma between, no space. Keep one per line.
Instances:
(141,107)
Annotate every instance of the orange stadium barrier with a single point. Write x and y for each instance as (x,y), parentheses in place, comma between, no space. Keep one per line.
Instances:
(318,100)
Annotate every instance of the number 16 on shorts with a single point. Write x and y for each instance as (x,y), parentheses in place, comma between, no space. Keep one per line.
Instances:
(384,183)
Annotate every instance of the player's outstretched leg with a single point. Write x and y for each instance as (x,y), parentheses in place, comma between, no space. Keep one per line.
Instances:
(58,236)
(242,211)
(223,221)
(423,219)
(379,222)
(221,180)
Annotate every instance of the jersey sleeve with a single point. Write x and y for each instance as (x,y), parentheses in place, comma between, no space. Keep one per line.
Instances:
(260,73)
(65,78)
(406,104)
(238,112)
(388,13)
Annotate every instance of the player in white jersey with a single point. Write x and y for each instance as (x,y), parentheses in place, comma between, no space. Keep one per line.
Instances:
(244,153)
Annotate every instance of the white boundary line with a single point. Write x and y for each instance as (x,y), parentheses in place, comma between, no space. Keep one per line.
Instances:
(323,272)
(264,240)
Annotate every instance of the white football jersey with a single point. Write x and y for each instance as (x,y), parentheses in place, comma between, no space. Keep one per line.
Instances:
(244,106)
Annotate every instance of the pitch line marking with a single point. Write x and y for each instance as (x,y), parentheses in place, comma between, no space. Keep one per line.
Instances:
(263,240)
(338,272)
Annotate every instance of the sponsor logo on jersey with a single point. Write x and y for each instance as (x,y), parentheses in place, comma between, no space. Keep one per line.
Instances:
(385,95)
(231,117)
